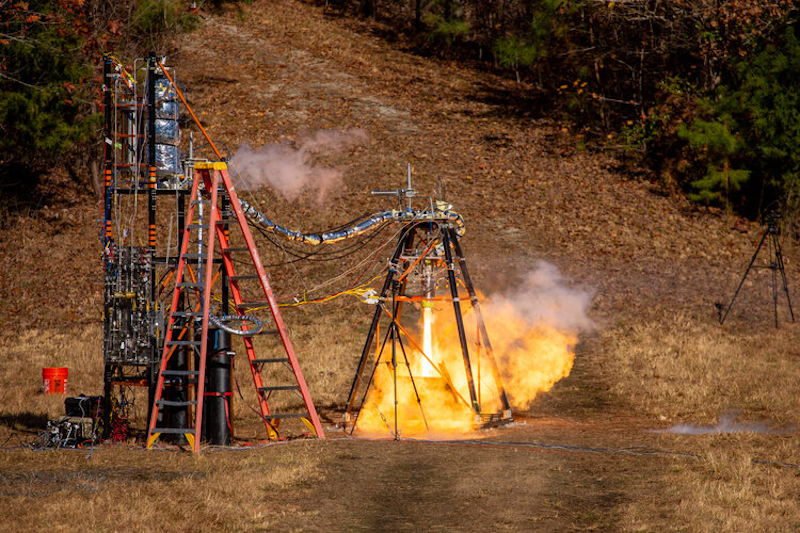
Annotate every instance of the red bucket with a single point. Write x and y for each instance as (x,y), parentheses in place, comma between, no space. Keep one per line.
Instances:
(54,380)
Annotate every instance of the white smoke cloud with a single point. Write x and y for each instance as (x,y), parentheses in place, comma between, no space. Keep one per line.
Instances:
(544,298)
(290,168)
(533,327)
(727,424)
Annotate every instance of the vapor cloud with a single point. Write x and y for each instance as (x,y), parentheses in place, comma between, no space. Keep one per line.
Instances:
(543,298)
(727,424)
(289,168)
(534,329)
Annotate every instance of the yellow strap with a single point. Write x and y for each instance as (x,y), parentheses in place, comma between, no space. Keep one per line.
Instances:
(310,426)
(153,438)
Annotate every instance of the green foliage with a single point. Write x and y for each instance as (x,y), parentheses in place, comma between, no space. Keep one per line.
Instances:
(716,143)
(444,29)
(154,18)
(754,125)
(545,24)
(545,31)
(41,96)
(515,52)
(49,61)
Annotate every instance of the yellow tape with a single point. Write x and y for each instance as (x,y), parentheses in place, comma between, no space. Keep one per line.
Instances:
(211,165)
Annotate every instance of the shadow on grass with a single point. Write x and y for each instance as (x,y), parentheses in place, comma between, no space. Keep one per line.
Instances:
(25,421)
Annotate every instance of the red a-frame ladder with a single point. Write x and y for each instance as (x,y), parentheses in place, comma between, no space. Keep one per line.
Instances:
(212,182)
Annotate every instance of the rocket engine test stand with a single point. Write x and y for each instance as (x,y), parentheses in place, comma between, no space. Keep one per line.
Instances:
(423,246)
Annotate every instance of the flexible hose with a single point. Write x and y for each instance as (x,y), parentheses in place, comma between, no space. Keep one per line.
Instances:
(220,322)
(441,213)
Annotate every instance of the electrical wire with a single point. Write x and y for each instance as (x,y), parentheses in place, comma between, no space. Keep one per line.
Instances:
(302,255)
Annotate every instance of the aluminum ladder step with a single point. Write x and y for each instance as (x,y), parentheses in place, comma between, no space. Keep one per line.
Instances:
(180,373)
(286,415)
(172,403)
(270,360)
(278,387)
(175,431)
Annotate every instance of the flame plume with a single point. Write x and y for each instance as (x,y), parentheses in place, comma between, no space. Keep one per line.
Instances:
(533,331)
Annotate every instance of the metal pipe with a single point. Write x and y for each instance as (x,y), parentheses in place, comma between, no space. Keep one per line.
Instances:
(482,332)
(402,244)
(151,208)
(462,335)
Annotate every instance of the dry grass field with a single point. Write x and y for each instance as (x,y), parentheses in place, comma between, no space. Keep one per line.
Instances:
(590,454)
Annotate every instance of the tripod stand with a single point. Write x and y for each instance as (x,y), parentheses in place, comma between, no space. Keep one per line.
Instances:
(770,236)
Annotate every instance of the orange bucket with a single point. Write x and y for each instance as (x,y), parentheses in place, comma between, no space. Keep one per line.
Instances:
(54,380)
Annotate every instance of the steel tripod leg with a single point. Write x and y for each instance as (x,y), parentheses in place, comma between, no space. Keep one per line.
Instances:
(773,265)
(481,324)
(735,294)
(413,383)
(779,260)
(372,375)
(462,336)
(393,330)
(402,242)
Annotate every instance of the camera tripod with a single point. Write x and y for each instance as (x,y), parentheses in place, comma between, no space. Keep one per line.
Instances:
(775,264)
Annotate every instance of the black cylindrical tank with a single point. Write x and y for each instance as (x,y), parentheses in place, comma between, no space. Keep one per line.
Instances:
(217,402)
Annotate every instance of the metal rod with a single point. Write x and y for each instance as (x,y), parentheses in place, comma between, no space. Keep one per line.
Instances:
(753,260)
(151,209)
(462,336)
(779,256)
(773,265)
(225,208)
(481,323)
(394,357)
(402,243)
(372,374)
(413,383)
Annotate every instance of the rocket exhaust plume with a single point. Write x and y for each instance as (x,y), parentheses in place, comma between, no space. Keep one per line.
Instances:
(533,328)
(290,169)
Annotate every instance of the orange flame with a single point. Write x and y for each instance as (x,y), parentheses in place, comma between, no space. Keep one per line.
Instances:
(530,359)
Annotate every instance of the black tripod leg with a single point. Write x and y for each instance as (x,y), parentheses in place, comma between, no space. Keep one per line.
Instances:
(462,336)
(773,265)
(753,260)
(393,330)
(413,383)
(481,325)
(387,284)
(779,257)
(371,377)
